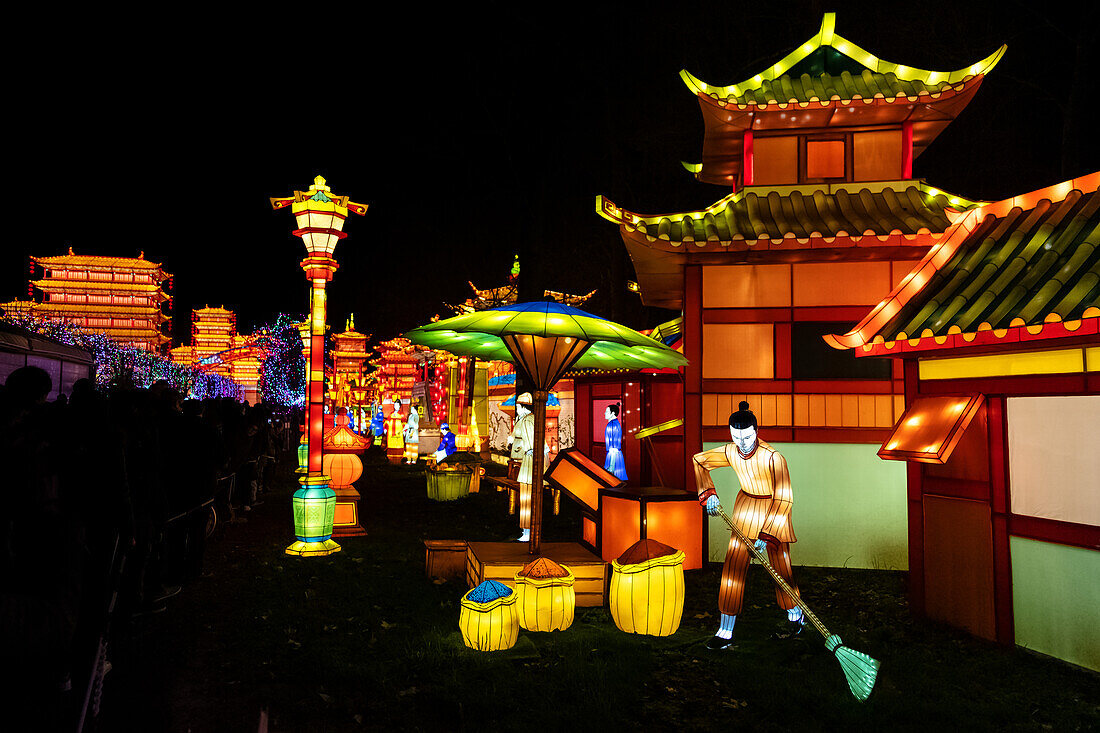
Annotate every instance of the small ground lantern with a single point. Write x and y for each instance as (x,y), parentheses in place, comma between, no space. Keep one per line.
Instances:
(342,465)
(647,589)
(546,599)
(488,619)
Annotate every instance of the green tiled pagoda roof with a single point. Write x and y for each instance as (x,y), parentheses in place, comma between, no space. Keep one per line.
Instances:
(1019,263)
(775,213)
(830,67)
(1027,264)
(866,85)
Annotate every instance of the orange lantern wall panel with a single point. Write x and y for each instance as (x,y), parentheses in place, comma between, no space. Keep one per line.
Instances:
(931,428)
(670,516)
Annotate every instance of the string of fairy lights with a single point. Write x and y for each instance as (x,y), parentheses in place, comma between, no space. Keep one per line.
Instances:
(117,363)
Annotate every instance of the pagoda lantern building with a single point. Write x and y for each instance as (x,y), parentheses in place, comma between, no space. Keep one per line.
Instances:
(216,347)
(349,354)
(823,218)
(212,332)
(244,367)
(118,296)
(997,330)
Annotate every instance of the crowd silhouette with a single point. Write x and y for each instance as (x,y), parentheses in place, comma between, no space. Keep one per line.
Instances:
(108,499)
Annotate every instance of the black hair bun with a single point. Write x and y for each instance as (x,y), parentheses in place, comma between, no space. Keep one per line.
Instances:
(742,405)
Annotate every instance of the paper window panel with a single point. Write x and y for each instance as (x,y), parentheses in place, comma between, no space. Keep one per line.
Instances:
(775,160)
(738,351)
(840,283)
(747,286)
(877,155)
(1054,464)
(824,159)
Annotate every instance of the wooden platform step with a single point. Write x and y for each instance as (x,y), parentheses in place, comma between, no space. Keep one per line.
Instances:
(500,561)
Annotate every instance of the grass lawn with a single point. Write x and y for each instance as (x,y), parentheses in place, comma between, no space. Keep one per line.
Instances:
(363,640)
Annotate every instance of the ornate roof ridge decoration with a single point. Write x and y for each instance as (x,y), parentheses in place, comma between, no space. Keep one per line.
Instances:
(989,221)
(207,310)
(739,208)
(318,191)
(71,258)
(508,294)
(827,37)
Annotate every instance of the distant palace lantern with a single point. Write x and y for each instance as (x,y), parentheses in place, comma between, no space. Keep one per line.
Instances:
(647,589)
(545,597)
(320,216)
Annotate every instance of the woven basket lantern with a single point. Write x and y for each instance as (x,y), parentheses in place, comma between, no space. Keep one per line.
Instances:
(545,596)
(487,618)
(647,589)
(450,483)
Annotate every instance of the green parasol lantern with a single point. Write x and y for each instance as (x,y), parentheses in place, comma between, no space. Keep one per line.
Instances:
(544,339)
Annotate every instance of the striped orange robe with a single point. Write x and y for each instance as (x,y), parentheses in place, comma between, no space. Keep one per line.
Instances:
(762,509)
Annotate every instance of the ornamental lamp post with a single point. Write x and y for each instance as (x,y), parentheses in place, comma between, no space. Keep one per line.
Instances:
(320,216)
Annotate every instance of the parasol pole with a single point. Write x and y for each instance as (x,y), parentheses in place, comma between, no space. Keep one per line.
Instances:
(537,466)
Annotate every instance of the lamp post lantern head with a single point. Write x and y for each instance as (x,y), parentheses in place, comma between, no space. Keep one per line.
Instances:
(320,216)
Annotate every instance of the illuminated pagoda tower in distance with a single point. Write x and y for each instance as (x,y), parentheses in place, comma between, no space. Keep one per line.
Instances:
(217,347)
(823,218)
(118,296)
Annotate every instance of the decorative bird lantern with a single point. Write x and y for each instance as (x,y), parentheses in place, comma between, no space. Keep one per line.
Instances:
(488,619)
(647,589)
(545,599)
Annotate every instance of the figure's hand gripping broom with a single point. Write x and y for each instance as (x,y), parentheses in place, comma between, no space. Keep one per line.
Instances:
(859,669)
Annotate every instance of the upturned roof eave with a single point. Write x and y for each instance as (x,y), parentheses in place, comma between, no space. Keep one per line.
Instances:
(827,36)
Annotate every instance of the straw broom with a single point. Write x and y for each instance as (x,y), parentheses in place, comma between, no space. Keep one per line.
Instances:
(859,669)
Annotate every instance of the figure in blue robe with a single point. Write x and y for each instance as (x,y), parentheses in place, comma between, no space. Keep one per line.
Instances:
(613,441)
(446,443)
(378,423)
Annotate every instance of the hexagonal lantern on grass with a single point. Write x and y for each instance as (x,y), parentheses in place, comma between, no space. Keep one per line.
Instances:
(543,340)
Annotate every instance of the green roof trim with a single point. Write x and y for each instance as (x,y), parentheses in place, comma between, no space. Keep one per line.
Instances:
(829,66)
(1026,264)
(753,213)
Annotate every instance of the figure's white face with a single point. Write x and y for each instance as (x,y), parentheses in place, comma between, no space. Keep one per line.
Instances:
(745,438)
(608,414)
(521,410)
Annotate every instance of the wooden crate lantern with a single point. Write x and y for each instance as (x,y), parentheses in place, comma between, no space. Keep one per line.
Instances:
(445,559)
(615,516)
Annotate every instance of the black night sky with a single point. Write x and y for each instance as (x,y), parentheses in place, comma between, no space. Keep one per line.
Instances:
(472,133)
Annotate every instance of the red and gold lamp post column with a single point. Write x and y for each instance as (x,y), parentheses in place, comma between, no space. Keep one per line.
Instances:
(320,216)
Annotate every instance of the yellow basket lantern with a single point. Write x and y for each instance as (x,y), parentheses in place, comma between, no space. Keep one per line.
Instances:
(545,598)
(487,617)
(647,589)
